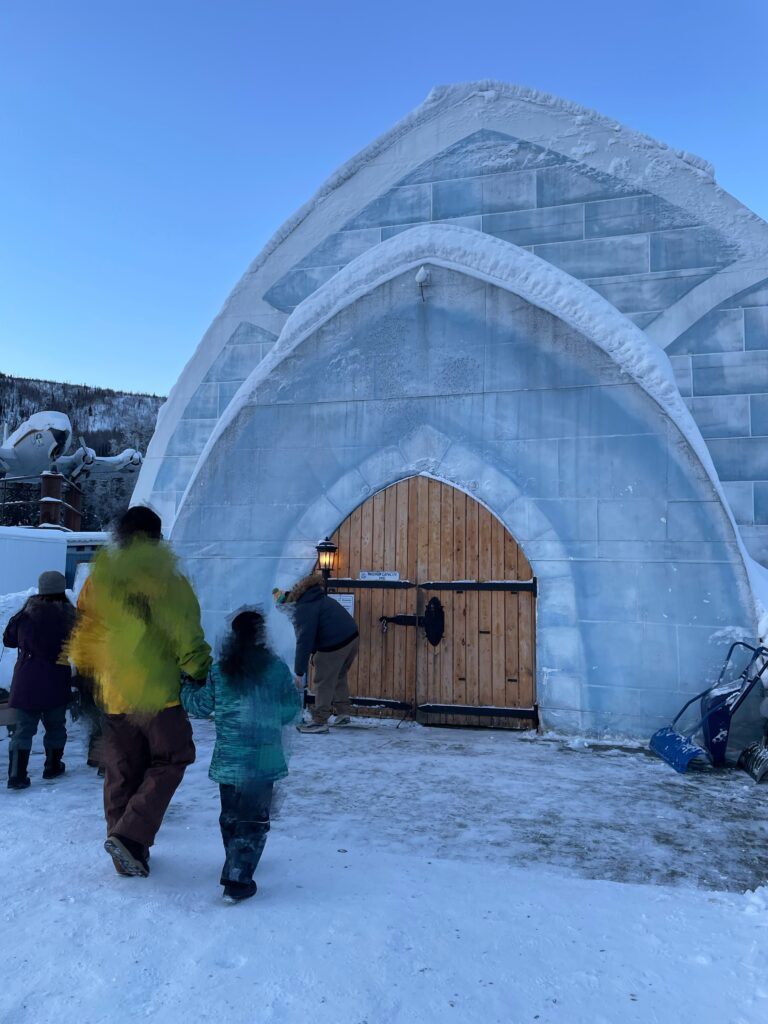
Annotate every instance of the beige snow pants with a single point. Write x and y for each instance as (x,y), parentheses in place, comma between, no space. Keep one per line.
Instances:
(330,681)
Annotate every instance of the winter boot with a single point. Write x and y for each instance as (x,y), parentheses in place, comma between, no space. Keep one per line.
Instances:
(236,891)
(340,721)
(17,769)
(313,727)
(131,856)
(54,766)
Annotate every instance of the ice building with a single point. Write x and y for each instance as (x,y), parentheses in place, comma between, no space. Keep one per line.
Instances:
(512,356)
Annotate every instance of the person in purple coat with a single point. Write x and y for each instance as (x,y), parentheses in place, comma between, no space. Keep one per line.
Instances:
(41,685)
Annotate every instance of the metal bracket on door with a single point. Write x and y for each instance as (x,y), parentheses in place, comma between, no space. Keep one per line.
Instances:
(432,621)
(400,620)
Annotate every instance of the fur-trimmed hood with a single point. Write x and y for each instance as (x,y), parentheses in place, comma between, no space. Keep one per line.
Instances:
(300,588)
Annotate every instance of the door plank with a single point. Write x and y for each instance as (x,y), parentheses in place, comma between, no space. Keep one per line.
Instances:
(485,620)
(410,597)
(422,573)
(459,617)
(511,626)
(394,638)
(498,630)
(400,597)
(432,683)
(369,649)
(527,649)
(377,596)
(472,604)
(445,683)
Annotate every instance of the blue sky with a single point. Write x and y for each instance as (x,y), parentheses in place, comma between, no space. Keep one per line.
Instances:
(149,149)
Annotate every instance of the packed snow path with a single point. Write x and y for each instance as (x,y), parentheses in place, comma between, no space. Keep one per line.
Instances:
(597,812)
(412,875)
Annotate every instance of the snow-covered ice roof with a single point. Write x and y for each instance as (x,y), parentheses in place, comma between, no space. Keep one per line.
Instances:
(449,114)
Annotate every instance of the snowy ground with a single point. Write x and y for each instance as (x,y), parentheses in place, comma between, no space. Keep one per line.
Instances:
(412,875)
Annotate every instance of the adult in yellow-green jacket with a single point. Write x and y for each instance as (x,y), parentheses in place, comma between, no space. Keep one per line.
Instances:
(138,633)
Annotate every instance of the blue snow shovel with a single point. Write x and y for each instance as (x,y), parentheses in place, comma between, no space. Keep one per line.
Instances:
(706,741)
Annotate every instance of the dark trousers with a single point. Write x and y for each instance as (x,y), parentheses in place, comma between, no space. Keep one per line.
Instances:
(92,715)
(244,824)
(54,723)
(144,759)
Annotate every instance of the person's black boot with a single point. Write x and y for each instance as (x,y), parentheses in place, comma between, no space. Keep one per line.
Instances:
(54,766)
(17,769)
(234,892)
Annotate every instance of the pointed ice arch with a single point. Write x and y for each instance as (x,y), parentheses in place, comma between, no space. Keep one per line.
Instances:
(564,253)
(513,381)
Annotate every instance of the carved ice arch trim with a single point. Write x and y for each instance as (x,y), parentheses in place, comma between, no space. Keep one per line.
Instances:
(705,297)
(514,270)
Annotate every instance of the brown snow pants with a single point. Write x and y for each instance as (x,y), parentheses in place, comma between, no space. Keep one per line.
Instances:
(329,682)
(144,759)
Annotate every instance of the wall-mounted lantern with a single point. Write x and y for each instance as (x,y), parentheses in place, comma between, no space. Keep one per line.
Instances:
(326,558)
(423,280)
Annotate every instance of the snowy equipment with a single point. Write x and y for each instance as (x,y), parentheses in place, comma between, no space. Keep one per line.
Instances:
(40,443)
(754,758)
(726,721)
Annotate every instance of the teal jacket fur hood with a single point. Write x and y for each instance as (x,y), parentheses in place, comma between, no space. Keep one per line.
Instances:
(249,716)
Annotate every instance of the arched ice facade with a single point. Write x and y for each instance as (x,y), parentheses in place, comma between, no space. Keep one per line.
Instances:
(587,359)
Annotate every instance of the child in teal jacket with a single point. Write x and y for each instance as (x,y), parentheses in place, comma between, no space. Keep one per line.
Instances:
(252,696)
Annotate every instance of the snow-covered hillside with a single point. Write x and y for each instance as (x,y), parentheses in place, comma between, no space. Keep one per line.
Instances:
(109,420)
(102,415)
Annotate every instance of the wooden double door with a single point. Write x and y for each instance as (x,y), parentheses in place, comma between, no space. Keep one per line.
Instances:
(439,543)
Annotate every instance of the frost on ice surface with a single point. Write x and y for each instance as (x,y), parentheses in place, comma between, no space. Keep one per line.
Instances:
(582,150)
(619,167)
(499,263)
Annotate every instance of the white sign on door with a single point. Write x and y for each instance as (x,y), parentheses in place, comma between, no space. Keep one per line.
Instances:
(346,601)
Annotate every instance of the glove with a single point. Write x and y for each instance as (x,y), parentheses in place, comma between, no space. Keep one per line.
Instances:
(189,681)
(75,705)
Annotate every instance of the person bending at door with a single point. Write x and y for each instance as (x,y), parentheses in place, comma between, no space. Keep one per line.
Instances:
(326,632)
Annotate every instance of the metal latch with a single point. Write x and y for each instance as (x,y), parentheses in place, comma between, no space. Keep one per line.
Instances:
(432,621)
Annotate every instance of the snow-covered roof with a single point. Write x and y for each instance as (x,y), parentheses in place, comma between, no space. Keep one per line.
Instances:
(31,533)
(561,125)
(448,115)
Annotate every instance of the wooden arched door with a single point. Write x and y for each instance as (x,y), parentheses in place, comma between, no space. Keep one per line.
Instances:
(430,540)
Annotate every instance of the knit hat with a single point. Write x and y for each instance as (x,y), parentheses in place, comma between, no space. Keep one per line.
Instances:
(138,520)
(51,583)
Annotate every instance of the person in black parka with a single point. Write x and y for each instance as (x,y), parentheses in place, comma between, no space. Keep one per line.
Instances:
(328,633)
(41,685)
